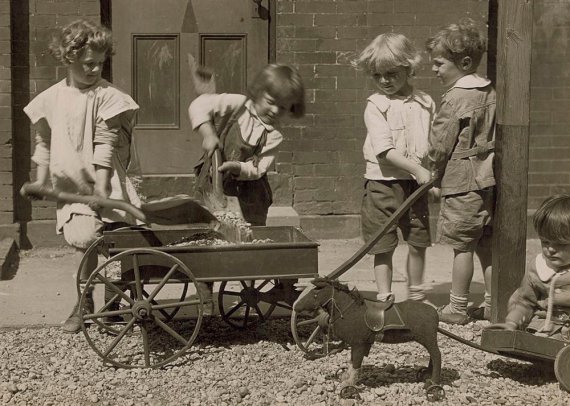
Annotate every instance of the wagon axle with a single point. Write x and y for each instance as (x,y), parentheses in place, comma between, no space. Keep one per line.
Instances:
(142,309)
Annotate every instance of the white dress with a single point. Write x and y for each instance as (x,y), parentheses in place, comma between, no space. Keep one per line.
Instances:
(75,118)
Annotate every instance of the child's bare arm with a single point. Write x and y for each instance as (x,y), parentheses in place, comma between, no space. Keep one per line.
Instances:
(102,181)
(203,112)
(42,151)
(398,160)
(210,140)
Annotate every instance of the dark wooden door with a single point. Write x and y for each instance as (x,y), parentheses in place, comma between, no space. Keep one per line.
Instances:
(157,44)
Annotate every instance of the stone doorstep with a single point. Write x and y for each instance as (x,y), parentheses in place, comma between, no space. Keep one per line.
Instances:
(283,216)
(8,256)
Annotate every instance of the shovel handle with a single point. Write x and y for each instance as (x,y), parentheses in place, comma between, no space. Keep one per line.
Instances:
(217,182)
(217,176)
(44,192)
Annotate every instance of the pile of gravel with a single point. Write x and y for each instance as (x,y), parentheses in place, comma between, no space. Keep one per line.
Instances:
(261,366)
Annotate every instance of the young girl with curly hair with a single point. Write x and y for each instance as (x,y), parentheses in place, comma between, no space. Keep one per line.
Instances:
(83,130)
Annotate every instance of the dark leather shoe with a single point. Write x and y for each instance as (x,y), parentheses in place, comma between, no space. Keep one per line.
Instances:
(73,323)
(452,318)
(479,313)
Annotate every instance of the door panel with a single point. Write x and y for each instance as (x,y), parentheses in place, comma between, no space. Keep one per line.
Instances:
(157,43)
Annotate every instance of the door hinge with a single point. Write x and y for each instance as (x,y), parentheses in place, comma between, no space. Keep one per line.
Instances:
(256,11)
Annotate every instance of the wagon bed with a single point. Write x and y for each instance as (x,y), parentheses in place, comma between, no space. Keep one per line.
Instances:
(290,254)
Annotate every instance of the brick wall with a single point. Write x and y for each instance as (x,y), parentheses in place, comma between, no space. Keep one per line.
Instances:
(6,181)
(36,70)
(549,163)
(323,151)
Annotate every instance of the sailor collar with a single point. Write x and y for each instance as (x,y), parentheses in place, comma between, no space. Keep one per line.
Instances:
(545,273)
(249,105)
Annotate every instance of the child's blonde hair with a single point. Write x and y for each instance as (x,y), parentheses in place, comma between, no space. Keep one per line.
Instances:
(281,82)
(457,41)
(552,219)
(70,43)
(388,51)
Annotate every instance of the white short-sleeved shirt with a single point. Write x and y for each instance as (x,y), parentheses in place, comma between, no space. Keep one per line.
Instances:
(217,109)
(402,123)
(73,115)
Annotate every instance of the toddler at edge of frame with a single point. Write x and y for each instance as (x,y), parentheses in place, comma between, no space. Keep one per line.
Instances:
(461,155)
(83,135)
(397,119)
(244,129)
(541,304)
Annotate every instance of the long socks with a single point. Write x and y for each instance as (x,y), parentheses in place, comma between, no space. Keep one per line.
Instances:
(458,303)
(416,292)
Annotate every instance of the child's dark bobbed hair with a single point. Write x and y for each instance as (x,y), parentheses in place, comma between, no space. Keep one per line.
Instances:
(552,219)
(283,83)
(457,41)
(70,43)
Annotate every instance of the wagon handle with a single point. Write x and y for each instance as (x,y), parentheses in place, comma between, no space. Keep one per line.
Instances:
(345,266)
(47,193)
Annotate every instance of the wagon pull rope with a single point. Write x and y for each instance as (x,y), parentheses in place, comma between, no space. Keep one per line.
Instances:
(549,308)
(334,306)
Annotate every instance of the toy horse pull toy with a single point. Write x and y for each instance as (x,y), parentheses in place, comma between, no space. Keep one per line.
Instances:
(360,322)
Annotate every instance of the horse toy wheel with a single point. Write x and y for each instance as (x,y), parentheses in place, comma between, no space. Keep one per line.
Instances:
(435,393)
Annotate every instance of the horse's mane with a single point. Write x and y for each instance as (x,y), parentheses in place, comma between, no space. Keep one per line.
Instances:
(336,284)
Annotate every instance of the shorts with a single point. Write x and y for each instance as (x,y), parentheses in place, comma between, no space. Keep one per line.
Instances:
(466,220)
(381,199)
(81,230)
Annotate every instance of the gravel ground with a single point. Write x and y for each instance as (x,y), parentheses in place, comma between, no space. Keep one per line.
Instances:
(260,366)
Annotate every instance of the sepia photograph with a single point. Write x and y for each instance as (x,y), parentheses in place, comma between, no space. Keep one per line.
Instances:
(284,202)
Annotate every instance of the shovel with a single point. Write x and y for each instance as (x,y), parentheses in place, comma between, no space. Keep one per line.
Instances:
(204,81)
(213,192)
(180,209)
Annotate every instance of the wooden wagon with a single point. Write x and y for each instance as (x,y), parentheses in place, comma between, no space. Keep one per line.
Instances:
(161,308)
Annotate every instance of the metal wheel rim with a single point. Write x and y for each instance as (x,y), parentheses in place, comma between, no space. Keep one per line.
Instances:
(178,265)
(562,368)
(304,345)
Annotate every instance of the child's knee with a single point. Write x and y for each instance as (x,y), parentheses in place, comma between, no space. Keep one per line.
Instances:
(81,230)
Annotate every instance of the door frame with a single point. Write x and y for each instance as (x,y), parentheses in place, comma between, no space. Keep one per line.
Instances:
(107,19)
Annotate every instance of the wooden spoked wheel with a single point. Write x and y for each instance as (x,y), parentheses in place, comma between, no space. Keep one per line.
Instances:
(255,302)
(149,337)
(562,368)
(311,338)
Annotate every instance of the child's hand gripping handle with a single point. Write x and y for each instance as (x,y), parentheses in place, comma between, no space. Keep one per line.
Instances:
(44,192)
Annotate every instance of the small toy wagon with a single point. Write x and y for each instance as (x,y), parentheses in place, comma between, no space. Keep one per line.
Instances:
(532,348)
